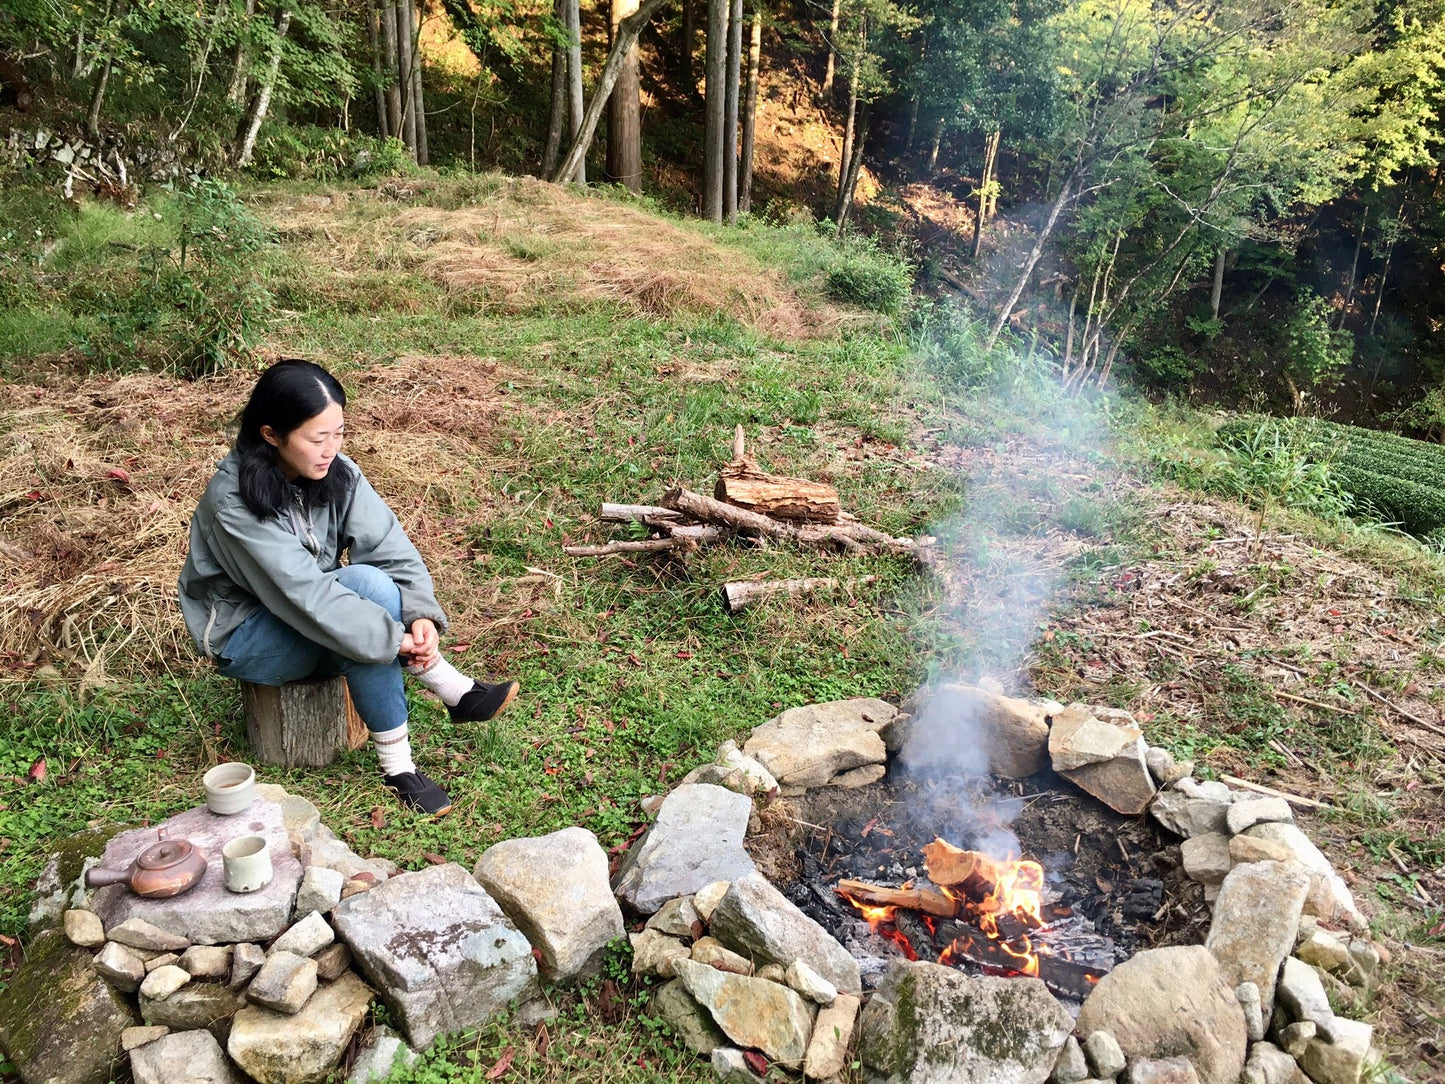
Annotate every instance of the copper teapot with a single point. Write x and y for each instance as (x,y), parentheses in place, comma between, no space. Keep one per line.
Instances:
(165,868)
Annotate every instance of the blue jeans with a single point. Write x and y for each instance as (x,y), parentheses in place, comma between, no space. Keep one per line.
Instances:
(264,650)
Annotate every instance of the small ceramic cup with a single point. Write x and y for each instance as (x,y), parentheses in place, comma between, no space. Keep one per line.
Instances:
(230,788)
(246,863)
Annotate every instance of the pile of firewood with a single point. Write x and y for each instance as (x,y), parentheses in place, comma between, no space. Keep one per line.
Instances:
(753,505)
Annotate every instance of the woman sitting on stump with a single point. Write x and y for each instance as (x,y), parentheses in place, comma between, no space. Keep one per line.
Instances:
(266,597)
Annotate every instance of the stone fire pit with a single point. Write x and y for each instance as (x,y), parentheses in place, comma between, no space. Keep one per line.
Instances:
(275,987)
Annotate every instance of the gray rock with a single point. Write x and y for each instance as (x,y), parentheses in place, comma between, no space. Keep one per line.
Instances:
(1302,994)
(811,745)
(332,961)
(299,817)
(1071,1066)
(1295,1037)
(193,1007)
(84,928)
(163,982)
(554,887)
(1102,1051)
(122,968)
(207,963)
(1250,849)
(1078,738)
(1329,896)
(165,959)
(187,1057)
(1323,949)
(832,1032)
(137,933)
(306,938)
(1247,812)
(773,973)
(752,1012)
(731,1067)
(653,953)
(246,960)
(1268,1064)
(1206,858)
(1122,783)
(325,850)
(1210,790)
(1161,1071)
(207,914)
(1247,994)
(60,1021)
(1174,812)
(440,950)
(706,899)
(677,918)
(1169,1002)
(1342,1060)
(697,839)
(865,776)
(710,951)
(382,1052)
(284,982)
(1365,961)
(131,1038)
(61,883)
(929,1024)
(757,920)
(976,730)
(274,1048)
(1164,768)
(692,1024)
(1255,920)
(320,890)
(804,980)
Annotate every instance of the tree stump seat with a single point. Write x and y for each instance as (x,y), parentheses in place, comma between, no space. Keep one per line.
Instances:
(302,724)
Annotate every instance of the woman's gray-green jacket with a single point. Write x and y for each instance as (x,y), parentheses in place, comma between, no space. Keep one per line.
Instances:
(239,563)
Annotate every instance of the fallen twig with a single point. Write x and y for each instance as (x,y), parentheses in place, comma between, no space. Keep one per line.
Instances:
(1401,711)
(680,537)
(1260,788)
(743,594)
(636,513)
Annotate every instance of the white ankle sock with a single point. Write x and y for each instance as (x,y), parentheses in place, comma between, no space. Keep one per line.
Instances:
(445,680)
(393,750)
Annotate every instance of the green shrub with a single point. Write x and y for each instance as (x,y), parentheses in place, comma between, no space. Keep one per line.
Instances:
(862,275)
(326,154)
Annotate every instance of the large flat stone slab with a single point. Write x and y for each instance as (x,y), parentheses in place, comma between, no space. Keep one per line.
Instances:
(696,840)
(209,914)
(973,730)
(438,949)
(815,745)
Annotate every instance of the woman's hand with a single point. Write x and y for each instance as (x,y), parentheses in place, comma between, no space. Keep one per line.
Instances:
(425,642)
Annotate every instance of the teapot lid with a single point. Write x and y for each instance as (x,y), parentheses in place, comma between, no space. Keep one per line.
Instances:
(166,853)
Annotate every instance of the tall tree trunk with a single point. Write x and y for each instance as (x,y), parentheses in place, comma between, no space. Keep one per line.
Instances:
(1354,268)
(985,190)
(241,63)
(1069,334)
(624,113)
(1389,255)
(991,208)
(418,98)
(730,112)
(830,71)
(846,156)
(627,34)
(558,117)
(689,40)
(574,85)
(913,104)
(262,102)
(750,111)
(378,67)
(854,167)
(1027,270)
(391,65)
(935,146)
(715,69)
(201,68)
(1216,289)
(404,39)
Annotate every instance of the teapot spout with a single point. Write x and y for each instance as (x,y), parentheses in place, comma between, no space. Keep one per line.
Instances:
(99,876)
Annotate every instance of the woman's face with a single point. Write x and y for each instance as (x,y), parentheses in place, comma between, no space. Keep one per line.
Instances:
(307,451)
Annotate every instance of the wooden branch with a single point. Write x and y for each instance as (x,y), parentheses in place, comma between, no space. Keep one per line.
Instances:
(740,442)
(974,873)
(1401,711)
(744,594)
(635,513)
(854,537)
(914,899)
(743,484)
(1260,788)
(679,537)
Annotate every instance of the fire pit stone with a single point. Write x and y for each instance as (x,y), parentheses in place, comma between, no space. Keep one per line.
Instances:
(823,744)
(697,839)
(757,920)
(689,1020)
(752,1012)
(1255,922)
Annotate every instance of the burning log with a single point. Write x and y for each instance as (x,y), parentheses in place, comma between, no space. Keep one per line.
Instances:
(743,594)
(974,873)
(913,899)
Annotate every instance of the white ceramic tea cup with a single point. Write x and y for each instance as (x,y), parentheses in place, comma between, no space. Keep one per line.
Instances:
(230,788)
(246,863)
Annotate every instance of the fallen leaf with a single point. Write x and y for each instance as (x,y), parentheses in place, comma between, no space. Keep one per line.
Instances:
(543,1039)
(684,654)
(756,1062)
(378,818)
(120,474)
(434,859)
(38,771)
(503,1063)
(8,942)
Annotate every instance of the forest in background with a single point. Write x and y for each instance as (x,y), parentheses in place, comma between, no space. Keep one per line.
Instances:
(1236,202)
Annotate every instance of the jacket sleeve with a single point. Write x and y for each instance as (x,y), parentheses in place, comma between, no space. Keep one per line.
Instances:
(375,537)
(270,562)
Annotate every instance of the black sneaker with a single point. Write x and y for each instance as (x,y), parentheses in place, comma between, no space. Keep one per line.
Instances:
(418,792)
(484,701)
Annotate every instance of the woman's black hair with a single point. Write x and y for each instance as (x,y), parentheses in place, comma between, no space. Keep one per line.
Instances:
(288,395)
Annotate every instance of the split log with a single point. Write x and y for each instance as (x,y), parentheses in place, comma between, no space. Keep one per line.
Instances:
(679,537)
(973,873)
(854,537)
(912,899)
(636,513)
(743,594)
(745,484)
